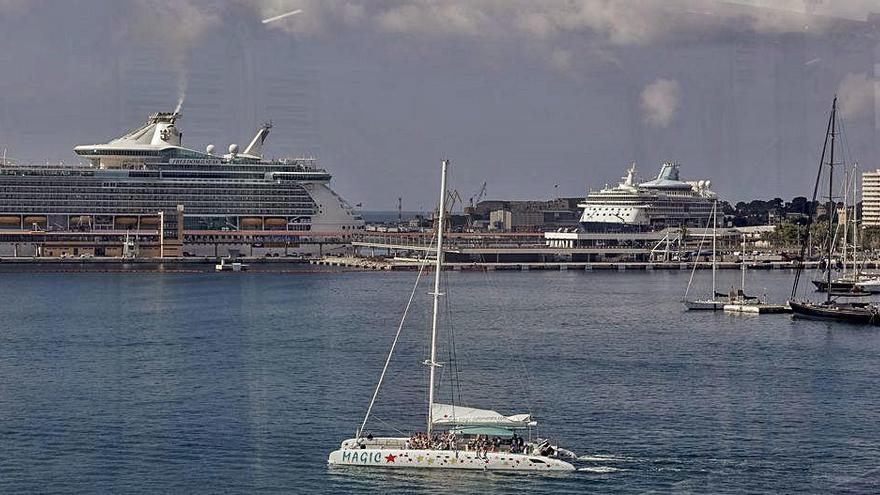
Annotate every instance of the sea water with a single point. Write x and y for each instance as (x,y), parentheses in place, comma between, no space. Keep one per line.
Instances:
(244,382)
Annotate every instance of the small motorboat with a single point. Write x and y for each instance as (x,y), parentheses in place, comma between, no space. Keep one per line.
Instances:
(233,266)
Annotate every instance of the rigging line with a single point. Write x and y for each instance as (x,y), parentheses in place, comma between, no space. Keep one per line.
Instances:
(837,228)
(845,150)
(454,378)
(393,345)
(450,344)
(523,378)
(389,425)
(809,213)
(457,367)
(697,257)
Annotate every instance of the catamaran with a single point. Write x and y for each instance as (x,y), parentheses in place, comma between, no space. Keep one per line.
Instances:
(456,437)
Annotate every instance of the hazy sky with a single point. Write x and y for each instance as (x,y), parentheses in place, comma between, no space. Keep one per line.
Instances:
(523,94)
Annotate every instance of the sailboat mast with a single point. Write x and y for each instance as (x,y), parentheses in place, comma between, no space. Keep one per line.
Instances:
(844,248)
(742,264)
(831,197)
(714,239)
(438,267)
(855,221)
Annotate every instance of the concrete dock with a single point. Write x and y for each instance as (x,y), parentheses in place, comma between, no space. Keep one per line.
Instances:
(413,264)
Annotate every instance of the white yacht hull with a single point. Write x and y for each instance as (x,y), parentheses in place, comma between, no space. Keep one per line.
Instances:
(446,459)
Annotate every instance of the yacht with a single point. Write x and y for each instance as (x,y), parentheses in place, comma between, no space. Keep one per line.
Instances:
(455,436)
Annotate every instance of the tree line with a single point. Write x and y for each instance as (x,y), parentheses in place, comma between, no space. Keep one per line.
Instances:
(791,219)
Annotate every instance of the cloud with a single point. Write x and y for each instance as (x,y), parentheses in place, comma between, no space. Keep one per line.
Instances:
(566,34)
(13,6)
(618,22)
(856,94)
(560,59)
(660,101)
(547,29)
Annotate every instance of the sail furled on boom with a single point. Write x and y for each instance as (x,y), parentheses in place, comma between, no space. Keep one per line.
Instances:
(448,414)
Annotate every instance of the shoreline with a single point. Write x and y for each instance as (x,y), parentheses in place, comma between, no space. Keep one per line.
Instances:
(338,264)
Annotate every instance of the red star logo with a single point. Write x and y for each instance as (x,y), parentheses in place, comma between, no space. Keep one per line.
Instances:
(390,458)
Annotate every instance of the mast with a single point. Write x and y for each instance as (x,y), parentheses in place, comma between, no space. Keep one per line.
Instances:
(808,245)
(855,222)
(714,237)
(844,249)
(438,267)
(831,197)
(742,265)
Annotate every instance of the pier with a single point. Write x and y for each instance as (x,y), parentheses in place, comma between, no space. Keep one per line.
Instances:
(525,266)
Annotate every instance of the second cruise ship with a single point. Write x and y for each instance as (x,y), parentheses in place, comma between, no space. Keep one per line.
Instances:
(665,201)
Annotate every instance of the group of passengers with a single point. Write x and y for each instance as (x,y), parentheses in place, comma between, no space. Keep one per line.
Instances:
(483,444)
(421,441)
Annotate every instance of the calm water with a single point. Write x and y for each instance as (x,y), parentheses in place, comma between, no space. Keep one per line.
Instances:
(185,383)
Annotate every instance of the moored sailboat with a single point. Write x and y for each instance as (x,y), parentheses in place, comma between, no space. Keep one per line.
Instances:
(456,436)
(717,300)
(830,308)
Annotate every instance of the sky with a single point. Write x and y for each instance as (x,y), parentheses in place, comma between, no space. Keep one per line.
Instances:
(536,98)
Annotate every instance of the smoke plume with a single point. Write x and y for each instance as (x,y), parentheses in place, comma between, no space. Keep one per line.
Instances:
(176,26)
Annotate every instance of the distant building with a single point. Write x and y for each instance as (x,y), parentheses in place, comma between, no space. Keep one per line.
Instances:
(871,198)
(527,216)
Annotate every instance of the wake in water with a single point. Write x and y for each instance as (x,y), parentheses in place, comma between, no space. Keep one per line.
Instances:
(605,458)
(601,469)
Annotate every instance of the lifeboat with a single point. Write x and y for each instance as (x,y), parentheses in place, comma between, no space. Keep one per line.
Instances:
(81,220)
(251,222)
(34,220)
(7,221)
(276,222)
(150,221)
(125,221)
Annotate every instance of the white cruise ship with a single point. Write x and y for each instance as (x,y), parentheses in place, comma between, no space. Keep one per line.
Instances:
(666,201)
(131,178)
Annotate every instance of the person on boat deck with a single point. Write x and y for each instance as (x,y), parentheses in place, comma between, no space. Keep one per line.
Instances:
(732,294)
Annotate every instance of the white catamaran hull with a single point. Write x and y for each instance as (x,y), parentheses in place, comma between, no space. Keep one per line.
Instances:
(446,459)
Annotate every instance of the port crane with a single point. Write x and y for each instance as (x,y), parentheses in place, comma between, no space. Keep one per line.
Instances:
(476,198)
